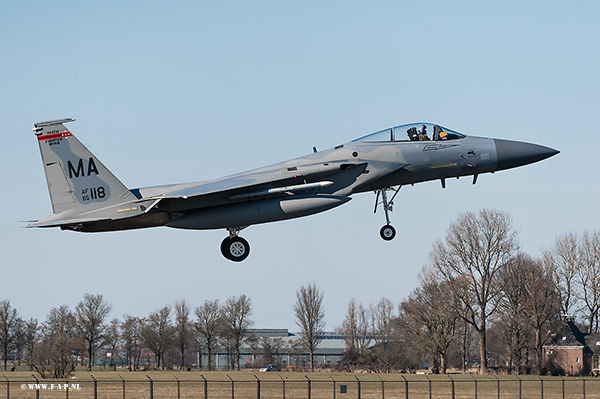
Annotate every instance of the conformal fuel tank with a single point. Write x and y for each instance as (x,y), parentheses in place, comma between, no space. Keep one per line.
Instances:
(257,211)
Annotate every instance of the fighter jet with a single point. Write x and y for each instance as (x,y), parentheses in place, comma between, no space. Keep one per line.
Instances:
(87,197)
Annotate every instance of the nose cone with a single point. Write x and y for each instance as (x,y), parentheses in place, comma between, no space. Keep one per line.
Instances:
(511,154)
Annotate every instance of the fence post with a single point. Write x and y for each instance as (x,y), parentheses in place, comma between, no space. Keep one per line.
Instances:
(583,388)
(382,388)
(498,385)
(405,386)
(308,385)
(96,388)
(563,387)
(453,391)
(475,379)
(151,387)
(123,385)
(358,385)
(257,387)
(66,388)
(333,386)
(283,383)
(205,387)
(37,388)
(7,387)
(232,387)
(520,387)
(542,387)
(178,387)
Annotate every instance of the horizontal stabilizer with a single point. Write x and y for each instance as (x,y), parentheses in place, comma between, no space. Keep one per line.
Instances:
(62,223)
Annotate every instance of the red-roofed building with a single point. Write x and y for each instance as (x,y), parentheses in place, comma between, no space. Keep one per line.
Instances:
(573,351)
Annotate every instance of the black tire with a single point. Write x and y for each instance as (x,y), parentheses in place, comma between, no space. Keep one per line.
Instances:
(387,232)
(225,247)
(235,249)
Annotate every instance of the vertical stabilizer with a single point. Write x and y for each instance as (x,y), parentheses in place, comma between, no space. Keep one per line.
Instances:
(77,181)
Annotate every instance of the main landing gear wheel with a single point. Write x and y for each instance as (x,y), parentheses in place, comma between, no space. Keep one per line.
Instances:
(235,248)
(387,232)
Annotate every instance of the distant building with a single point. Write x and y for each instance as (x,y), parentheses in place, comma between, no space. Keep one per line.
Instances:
(287,350)
(574,351)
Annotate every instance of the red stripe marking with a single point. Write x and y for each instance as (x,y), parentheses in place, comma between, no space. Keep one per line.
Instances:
(54,136)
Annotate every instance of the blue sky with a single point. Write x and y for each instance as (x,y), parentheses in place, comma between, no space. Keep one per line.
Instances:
(191,91)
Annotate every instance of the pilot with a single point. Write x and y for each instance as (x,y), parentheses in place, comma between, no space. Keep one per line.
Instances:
(423,133)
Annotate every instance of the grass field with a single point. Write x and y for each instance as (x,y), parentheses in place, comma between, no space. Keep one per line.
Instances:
(292,385)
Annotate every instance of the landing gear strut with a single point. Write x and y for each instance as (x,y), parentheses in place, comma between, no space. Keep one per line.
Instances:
(387,232)
(235,248)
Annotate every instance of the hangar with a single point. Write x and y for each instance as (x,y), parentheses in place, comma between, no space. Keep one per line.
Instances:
(278,346)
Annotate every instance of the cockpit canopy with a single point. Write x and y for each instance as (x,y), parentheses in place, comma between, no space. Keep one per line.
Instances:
(412,132)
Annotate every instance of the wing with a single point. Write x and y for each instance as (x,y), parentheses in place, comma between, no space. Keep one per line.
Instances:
(270,181)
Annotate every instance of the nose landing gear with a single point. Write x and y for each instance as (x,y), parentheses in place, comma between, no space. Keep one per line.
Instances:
(387,232)
(235,248)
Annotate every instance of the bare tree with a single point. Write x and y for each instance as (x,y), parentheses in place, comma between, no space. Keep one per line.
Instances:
(513,320)
(395,354)
(90,314)
(208,326)
(542,302)
(32,336)
(10,329)
(130,334)
(112,339)
(355,327)
(227,342)
(310,317)
(576,268)
(382,317)
(236,314)
(355,330)
(264,351)
(296,350)
(60,346)
(563,259)
(465,335)
(475,248)
(278,348)
(157,333)
(589,277)
(183,330)
(20,345)
(429,316)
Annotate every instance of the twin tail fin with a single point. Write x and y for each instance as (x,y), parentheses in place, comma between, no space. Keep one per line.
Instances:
(81,187)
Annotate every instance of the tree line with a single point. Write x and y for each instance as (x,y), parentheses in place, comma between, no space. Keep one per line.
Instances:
(169,335)
(480,300)
(74,337)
